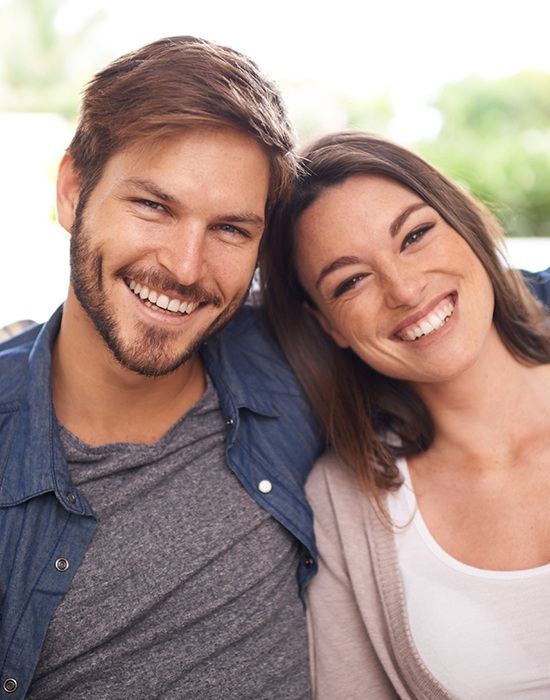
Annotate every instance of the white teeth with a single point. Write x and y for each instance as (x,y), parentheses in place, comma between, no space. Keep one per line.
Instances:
(153,299)
(435,320)
(163,301)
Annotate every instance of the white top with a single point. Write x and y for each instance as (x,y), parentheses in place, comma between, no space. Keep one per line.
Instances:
(482,634)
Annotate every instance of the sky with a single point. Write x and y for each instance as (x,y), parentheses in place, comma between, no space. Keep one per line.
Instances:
(407,48)
(362,48)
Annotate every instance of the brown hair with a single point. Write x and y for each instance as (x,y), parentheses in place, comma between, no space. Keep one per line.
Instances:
(176,83)
(358,407)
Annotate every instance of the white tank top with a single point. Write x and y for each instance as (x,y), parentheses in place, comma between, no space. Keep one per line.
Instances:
(482,634)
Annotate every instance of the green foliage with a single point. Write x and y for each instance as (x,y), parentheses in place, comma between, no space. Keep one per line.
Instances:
(374,115)
(495,139)
(42,67)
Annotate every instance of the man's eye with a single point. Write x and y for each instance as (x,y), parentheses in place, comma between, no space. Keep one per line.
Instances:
(229,228)
(149,204)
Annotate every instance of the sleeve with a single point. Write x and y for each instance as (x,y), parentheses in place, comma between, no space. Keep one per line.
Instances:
(343,660)
(539,284)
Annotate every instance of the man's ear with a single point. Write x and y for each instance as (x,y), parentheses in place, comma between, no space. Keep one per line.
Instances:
(68,192)
(327,326)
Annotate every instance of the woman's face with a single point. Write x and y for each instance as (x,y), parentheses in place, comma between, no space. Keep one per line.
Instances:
(393,281)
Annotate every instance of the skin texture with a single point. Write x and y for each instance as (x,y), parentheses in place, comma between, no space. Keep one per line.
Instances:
(377,261)
(183,216)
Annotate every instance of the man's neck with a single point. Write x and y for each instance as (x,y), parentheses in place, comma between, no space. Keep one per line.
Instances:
(102,402)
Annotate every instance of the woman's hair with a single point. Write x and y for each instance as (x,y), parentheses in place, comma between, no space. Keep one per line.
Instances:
(173,84)
(361,410)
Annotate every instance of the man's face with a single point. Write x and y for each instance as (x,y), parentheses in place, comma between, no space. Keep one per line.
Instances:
(165,249)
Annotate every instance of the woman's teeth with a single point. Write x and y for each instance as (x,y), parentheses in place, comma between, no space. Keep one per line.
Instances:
(433,321)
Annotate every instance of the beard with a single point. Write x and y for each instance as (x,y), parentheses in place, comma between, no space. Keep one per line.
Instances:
(150,354)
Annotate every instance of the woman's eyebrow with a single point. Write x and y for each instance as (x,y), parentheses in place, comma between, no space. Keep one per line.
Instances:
(336,265)
(400,220)
(353,260)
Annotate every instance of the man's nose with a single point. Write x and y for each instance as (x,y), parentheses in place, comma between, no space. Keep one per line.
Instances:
(184,252)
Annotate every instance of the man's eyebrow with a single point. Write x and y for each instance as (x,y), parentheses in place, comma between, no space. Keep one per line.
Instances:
(336,265)
(247,217)
(150,187)
(400,220)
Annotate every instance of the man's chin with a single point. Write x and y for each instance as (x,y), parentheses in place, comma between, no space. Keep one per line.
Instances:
(152,359)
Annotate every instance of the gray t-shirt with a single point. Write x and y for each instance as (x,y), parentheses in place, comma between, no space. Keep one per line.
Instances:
(188,589)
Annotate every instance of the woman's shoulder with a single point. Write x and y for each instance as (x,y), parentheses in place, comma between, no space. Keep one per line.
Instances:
(332,481)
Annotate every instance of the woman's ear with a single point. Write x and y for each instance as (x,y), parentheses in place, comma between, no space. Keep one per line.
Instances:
(68,192)
(327,326)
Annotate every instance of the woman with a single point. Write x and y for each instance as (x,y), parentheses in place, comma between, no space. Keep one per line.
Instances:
(426,361)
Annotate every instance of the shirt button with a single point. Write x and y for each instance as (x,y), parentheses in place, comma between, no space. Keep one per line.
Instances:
(71,498)
(10,685)
(308,561)
(62,564)
(265,486)
(229,422)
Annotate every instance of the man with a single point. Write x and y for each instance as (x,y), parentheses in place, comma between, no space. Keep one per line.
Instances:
(152,515)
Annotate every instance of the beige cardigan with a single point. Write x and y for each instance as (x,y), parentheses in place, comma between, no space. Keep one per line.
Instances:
(361,644)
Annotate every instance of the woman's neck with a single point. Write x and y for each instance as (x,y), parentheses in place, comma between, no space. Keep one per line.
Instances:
(496,404)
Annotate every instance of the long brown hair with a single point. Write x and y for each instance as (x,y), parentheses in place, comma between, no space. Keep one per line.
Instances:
(357,406)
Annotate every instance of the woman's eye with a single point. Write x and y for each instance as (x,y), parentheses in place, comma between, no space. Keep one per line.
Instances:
(347,285)
(416,235)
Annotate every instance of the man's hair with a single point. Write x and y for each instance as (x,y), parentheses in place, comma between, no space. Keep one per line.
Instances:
(173,84)
(356,404)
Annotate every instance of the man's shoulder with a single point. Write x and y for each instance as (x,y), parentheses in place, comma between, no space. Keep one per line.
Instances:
(246,345)
(14,360)
(247,323)
(539,283)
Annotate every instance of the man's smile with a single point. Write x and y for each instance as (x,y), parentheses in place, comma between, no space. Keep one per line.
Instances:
(161,301)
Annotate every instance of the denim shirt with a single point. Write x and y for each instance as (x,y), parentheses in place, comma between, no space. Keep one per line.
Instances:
(46,525)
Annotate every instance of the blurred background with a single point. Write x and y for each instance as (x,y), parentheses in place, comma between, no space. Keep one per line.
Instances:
(465,84)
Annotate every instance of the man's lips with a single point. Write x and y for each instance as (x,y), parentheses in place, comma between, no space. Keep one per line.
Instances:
(161,301)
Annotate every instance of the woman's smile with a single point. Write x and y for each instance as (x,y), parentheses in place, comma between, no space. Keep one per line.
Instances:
(386,272)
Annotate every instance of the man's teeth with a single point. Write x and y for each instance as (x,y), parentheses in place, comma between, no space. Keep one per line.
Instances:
(435,320)
(162,301)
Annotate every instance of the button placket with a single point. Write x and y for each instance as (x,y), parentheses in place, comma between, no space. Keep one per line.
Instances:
(265,486)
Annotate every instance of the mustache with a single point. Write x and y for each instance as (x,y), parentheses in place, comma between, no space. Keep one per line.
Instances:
(164,283)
